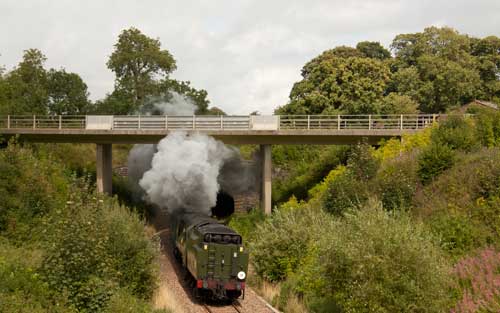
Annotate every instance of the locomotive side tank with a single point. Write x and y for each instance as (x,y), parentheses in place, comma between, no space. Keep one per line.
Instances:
(213,254)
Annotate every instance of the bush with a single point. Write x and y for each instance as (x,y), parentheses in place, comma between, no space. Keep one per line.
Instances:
(434,160)
(281,241)
(95,247)
(361,161)
(456,132)
(372,261)
(304,169)
(21,288)
(123,302)
(245,223)
(397,182)
(345,193)
(30,187)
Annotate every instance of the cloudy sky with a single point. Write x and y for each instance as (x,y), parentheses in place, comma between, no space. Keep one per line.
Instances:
(246,54)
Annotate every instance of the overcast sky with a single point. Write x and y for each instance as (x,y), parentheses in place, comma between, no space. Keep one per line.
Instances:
(246,54)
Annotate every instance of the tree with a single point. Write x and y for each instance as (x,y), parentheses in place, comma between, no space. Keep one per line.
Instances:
(26,85)
(337,84)
(67,93)
(436,69)
(138,63)
(373,49)
(142,72)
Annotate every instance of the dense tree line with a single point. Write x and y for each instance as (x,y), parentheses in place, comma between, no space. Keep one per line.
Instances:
(432,71)
(142,74)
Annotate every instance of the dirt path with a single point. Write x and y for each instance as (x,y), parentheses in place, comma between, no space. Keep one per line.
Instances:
(173,292)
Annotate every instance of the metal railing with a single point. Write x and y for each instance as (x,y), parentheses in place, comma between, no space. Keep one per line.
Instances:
(207,122)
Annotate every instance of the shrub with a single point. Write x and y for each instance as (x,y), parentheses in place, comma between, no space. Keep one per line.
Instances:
(245,224)
(361,161)
(372,261)
(397,182)
(434,160)
(281,241)
(96,246)
(123,302)
(30,187)
(455,132)
(21,288)
(304,170)
(344,193)
(457,233)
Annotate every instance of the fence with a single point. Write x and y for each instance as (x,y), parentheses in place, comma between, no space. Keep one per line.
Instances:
(207,122)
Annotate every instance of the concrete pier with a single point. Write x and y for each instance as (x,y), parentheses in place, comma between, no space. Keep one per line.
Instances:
(104,168)
(266,187)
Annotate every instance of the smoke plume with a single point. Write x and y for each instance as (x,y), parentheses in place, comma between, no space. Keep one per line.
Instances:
(176,104)
(184,172)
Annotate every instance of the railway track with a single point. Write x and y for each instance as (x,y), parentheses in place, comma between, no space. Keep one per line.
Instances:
(232,308)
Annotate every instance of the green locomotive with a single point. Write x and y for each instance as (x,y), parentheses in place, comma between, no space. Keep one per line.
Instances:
(213,254)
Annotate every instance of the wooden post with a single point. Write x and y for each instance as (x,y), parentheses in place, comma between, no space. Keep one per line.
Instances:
(401,122)
(34,121)
(8,121)
(309,122)
(139,122)
(338,122)
(60,122)
(370,121)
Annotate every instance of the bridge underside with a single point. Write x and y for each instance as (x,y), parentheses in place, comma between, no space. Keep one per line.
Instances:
(303,137)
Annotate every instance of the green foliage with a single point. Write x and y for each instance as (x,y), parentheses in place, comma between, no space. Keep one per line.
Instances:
(435,71)
(433,161)
(300,167)
(77,249)
(123,302)
(142,71)
(245,224)
(330,82)
(31,89)
(361,161)
(374,262)
(397,181)
(68,93)
(487,126)
(457,233)
(21,287)
(456,132)
(372,49)
(280,243)
(97,247)
(38,180)
(345,193)
(136,61)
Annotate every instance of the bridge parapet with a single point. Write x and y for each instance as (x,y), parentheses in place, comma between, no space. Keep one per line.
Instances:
(220,123)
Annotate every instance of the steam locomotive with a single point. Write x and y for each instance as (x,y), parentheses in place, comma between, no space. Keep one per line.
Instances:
(213,254)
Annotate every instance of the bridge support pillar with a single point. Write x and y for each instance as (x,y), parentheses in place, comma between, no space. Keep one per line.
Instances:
(266,165)
(104,168)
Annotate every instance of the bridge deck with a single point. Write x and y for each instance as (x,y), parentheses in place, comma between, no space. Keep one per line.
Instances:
(292,129)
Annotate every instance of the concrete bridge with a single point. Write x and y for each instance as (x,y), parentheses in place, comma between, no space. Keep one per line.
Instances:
(105,130)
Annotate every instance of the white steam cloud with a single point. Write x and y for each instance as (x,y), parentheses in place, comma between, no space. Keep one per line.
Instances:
(184,172)
(177,104)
